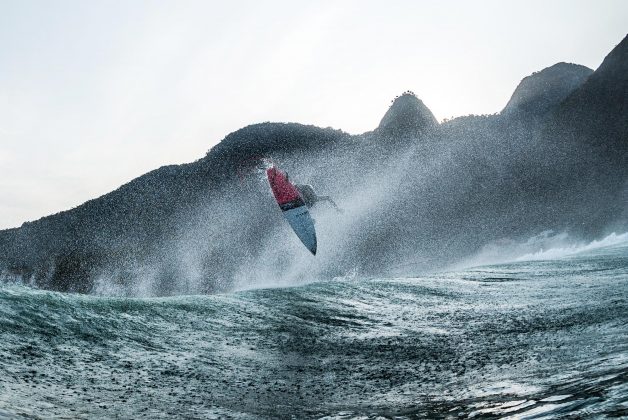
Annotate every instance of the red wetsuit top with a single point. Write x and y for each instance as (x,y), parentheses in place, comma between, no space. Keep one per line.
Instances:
(283,190)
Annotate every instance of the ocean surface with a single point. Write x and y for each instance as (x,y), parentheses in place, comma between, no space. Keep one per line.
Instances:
(543,337)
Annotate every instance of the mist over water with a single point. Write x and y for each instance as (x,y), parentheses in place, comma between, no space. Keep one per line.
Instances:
(238,239)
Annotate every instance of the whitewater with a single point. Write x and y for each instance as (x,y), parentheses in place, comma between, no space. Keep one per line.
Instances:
(544,334)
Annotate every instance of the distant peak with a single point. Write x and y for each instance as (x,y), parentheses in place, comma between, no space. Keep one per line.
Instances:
(407,116)
(547,88)
(407,97)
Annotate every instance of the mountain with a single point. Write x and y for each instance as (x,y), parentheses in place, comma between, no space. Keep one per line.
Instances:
(595,114)
(407,117)
(544,90)
(417,195)
(588,135)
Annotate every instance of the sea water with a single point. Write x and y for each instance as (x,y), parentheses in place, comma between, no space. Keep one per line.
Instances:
(542,337)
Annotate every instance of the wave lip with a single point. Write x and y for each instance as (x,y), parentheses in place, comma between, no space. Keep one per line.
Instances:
(542,247)
(611,240)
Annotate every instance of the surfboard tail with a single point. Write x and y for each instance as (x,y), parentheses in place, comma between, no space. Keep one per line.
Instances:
(301,222)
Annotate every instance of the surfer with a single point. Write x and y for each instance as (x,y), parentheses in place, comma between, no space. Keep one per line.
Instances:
(293,207)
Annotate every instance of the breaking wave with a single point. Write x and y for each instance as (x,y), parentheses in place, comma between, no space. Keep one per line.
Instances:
(548,245)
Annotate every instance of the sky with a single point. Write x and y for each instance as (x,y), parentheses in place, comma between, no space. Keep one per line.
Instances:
(96,93)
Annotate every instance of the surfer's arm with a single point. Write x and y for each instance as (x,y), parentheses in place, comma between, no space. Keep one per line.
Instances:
(332,202)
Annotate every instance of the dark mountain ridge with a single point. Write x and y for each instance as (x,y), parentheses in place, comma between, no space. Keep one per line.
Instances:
(417,194)
(595,114)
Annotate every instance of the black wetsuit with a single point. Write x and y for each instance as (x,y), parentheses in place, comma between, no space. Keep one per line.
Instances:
(307,194)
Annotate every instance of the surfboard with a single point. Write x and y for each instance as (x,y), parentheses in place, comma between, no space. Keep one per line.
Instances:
(293,207)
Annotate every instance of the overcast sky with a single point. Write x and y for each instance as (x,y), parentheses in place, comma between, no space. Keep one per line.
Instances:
(96,93)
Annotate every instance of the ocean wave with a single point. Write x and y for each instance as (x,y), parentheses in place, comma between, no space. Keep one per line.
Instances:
(567,250)
(352,347)
(547,245)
